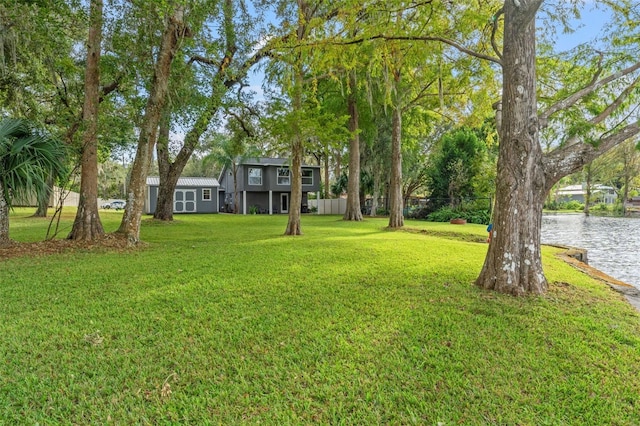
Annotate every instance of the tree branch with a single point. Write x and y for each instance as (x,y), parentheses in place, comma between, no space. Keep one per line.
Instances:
(494,30)
(446,41)
(571,158)
(595,85)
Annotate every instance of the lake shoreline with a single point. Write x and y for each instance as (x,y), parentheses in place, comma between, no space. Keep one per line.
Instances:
(612,243)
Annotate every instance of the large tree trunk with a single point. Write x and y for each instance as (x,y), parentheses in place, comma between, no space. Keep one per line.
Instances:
(87,225)
(513,263)
(293,226)
(353,186)
(396,218)
(174,32)
(297,151)
(168,180)
(4,218)
(170,171)
(297,148)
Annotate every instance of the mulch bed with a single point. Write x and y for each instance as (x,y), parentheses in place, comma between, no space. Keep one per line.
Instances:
(109,242)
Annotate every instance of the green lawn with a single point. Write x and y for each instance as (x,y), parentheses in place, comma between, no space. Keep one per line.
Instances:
(220,319)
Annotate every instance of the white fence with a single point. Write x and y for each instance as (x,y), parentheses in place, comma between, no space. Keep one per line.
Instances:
(329,206)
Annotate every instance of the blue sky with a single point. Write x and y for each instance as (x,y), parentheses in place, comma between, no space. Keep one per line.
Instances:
(589,28)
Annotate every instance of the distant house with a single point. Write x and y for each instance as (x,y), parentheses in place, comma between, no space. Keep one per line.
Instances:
(599,194)
(264,186)
(192,195)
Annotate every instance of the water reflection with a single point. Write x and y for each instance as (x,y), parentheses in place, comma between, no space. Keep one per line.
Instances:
(613,243)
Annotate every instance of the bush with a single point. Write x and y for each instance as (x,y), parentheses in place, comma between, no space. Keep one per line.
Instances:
(445,214)
(601,207)
(574,205)
(553,205)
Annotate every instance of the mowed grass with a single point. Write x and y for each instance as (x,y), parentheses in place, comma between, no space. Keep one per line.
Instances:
(221,319)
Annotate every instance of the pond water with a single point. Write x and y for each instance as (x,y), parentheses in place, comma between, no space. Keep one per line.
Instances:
(612,243)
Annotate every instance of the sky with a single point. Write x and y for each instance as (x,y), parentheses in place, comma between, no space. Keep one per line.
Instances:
(589,28)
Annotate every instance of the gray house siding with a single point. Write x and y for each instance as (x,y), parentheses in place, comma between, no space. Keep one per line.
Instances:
(257,178)
(189,195)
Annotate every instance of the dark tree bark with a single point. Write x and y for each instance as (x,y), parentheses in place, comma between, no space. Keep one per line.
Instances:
(168,180)
(396,218)
(174,32)
(293,225)
(4,218)
(87,225)
(353,211)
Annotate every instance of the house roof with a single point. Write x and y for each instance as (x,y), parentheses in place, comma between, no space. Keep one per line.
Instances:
(263,161)
(580,190)
(186,181)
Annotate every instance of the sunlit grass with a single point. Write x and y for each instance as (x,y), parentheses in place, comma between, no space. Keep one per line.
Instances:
(222,319)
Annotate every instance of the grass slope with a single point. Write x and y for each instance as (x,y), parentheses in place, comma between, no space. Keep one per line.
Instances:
(220,319)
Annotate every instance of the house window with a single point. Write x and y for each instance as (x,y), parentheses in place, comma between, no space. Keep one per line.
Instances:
(255,176)
(307,176)
(206,194)
(284,176)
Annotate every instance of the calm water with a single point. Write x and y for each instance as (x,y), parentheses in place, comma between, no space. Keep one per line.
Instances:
(612,243)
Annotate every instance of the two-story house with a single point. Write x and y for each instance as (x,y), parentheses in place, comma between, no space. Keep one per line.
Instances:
(264,185)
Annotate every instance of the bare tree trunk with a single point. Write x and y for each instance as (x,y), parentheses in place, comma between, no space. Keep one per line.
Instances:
(513,263)
(166,188)
(297,148)
(295,204)
(236,195)
(376,195)
(170,171)
(293,226)
(396,218)
(587,196)
(353,187)
(4,218)
(327,186)
(87,225)
(43,201)
(337,170)
(174,32)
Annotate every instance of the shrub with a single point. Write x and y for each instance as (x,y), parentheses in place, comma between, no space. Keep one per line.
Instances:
(553,205)
(445,214)
(574,205)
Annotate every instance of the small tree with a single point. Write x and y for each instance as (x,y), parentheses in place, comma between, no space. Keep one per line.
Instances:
(455,165)
(27,158)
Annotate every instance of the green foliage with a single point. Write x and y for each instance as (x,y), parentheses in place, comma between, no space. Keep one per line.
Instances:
(573,205)
(348,323)
(28,158)
(455,165)
(445,214)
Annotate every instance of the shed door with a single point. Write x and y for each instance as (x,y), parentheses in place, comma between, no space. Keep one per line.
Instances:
(184,201)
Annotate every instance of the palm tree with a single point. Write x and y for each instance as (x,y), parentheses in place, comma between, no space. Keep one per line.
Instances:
(27,158)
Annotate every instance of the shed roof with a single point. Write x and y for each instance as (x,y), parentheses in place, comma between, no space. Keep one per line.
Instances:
(186,181)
